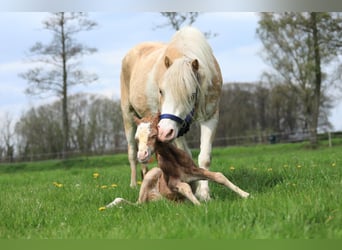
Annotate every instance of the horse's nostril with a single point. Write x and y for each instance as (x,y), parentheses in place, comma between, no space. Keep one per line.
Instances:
(170,133)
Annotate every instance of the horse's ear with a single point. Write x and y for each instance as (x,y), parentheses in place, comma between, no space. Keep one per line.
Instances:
(136,120)
(167,62)
(195,65)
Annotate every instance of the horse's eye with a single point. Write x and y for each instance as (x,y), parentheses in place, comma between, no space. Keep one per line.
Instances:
(160,92)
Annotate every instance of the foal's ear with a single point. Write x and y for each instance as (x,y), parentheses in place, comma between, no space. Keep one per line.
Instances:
(167,62)
(136,120)
(195,65)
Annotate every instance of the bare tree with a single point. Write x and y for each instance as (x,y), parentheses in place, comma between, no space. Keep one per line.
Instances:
(177,19)
(7,138)
(57,63)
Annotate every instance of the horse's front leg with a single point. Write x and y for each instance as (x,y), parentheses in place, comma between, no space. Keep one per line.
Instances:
(181,143)
(131,146)
(208,129)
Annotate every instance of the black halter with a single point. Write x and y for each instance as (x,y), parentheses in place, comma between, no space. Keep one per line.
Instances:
(185,124)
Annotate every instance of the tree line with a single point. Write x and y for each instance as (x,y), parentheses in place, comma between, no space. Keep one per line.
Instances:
(249,113)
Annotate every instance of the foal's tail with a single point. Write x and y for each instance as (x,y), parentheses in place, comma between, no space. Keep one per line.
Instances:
(118,201)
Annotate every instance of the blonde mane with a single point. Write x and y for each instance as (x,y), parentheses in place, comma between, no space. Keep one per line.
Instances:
(191,44)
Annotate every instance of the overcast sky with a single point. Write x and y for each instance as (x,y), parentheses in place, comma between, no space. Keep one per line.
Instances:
(235,46)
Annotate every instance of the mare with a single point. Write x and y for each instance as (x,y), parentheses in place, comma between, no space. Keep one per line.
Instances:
(176,171)
(181,79)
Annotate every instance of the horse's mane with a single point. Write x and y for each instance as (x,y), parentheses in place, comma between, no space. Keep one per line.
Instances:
(192,44)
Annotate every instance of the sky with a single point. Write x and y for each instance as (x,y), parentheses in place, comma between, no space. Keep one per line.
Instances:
(236,48)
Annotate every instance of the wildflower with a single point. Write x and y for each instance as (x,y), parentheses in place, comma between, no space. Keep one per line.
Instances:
(102,208)
(286,166)
(139,182)
(333,164)
(56,184)
(232,168)
(299,166)
(96,175)
(104,186)
(114,185)
(269,169)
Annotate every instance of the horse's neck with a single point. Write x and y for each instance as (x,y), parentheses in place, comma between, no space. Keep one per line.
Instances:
(171,155)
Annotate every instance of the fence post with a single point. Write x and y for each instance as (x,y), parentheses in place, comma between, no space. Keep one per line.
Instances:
(329,137)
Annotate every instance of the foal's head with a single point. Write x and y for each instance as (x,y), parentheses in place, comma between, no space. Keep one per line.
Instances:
(146,136)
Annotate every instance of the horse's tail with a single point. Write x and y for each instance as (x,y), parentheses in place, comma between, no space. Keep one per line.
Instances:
(118,201)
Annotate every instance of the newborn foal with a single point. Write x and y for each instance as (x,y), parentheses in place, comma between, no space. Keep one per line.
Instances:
(176,168)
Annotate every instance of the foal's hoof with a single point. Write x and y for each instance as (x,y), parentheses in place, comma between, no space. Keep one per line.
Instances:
(115,202)
(245,195)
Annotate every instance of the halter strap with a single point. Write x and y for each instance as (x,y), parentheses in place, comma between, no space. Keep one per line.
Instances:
(185,124)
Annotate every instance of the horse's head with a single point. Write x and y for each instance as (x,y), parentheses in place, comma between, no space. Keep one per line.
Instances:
(178,93)
(146,137)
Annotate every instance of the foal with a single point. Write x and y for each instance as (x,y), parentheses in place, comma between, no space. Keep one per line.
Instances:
(176,168)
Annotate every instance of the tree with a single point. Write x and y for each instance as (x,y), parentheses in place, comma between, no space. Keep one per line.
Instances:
(57,63)
(7,137)
(177,19)
(299,46)
(95,127)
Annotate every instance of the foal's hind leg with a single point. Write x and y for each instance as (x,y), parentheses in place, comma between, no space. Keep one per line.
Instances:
(221,179)
(184,189)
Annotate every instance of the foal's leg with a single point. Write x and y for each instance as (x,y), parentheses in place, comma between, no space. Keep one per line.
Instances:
(183,188)
(149,190)
(221,179)
(208,129)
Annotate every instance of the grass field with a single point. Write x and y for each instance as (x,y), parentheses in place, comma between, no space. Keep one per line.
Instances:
(295,193)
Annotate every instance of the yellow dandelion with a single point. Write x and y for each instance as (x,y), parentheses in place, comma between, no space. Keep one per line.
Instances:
(104,186)
(139,182)
(333,164)
(96,175)
(102,208)
(114,185)
(299,166)
(56,184)
(286,166)
(232,168)
(269,169)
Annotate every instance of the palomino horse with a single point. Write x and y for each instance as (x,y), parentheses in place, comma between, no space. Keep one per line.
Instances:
(183,81)
(176,170)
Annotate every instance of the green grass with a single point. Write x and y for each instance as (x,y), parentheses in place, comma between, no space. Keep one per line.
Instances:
(295,193)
